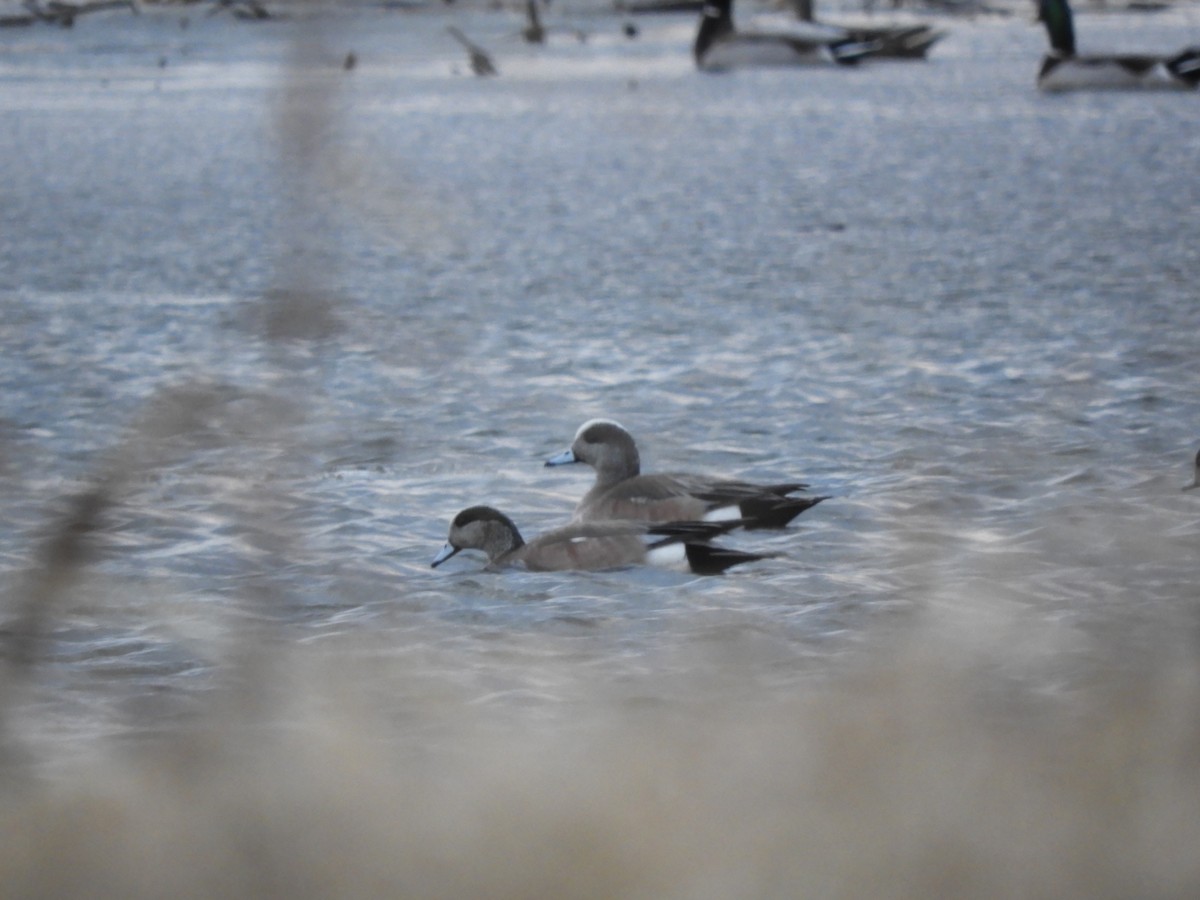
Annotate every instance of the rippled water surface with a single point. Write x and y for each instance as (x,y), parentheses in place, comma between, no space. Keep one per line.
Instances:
(297,317)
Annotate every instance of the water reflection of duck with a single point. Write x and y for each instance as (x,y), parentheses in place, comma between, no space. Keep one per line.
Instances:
(592,545)
(1062,69)
(719,45)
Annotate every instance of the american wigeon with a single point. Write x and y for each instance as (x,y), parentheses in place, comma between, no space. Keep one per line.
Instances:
(622,492)
(592,545)
(720,46)
(1063,70)
(1195,476)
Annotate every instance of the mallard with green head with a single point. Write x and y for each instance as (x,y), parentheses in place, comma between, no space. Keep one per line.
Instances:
(1063,69)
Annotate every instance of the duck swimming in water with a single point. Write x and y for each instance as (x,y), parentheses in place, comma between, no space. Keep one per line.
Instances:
(592,545)
(621,490)
(1063,70)
(1195,476)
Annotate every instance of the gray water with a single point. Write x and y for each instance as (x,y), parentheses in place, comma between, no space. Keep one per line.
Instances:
(298,317)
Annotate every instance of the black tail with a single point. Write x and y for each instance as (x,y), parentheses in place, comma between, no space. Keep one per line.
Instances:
(706,559)
(674,532)
(1186,66)
(788,487)
(775,512)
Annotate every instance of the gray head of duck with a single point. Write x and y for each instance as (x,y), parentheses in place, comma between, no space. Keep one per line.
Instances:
(604,445)
(480,528)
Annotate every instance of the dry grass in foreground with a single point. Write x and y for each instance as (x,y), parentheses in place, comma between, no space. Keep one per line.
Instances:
(913,779)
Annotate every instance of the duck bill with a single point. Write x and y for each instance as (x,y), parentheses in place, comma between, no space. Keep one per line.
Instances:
(444,554)
(563,459)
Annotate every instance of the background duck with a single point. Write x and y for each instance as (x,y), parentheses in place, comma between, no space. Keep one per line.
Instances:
(592,545)
(719,45)
(1062,69)
(1195,476)
(621,490)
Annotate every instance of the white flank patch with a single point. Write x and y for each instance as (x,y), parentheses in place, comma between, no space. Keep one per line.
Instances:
(723,514)
(671,556)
